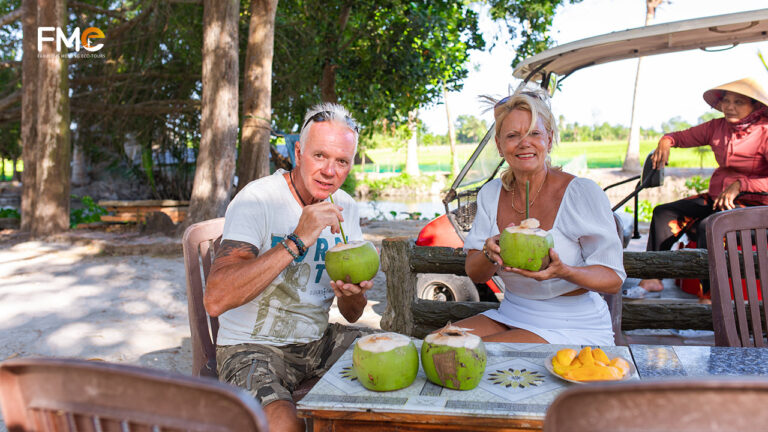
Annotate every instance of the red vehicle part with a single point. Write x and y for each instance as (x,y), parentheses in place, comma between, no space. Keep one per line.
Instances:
(440,232)
(693,286)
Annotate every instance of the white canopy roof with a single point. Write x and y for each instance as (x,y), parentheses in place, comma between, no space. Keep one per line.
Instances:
(718,31)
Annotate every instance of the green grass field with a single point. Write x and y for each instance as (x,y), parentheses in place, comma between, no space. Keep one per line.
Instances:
(599,154)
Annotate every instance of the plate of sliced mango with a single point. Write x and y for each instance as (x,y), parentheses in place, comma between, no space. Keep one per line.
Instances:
(589,365)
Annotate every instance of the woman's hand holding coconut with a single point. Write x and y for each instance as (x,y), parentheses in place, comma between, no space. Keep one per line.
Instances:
(549,235)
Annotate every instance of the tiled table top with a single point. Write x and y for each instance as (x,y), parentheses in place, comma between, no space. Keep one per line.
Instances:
(665,361)
(516,384)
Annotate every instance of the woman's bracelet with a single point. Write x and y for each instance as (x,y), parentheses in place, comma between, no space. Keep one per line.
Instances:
(288,248)
(488,256)
(299,244)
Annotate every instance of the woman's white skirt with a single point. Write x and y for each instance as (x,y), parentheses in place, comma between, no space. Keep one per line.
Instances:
(581,320)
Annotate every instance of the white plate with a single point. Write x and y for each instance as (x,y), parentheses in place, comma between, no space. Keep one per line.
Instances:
(626,376)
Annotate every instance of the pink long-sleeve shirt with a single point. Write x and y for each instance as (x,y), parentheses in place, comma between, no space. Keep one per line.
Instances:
(740,155)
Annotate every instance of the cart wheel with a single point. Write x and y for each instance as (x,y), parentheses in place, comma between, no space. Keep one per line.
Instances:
(446,287)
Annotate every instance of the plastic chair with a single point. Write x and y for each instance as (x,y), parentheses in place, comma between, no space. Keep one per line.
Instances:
(742,234)
(700,405)
(49,394)
(200,242)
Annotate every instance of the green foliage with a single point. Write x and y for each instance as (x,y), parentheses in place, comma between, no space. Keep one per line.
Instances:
(377,186)
(645,210)
(675,124)
(698,184)
(709,115)
(9,213)
(528,21)
(91,212)
(470,129)
(350,183)
(381,59)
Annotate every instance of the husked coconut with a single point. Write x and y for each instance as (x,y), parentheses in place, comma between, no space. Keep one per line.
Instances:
(385,361)
(454,358)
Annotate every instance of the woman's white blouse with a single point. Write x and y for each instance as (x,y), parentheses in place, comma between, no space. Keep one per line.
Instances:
(584,234)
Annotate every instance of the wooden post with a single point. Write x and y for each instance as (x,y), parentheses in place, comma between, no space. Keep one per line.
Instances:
(401,285)
(405,313)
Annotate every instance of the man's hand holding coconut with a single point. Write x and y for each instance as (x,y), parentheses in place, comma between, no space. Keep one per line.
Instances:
(269,285)
(550,236)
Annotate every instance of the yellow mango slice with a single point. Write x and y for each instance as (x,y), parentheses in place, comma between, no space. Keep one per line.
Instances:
(585,356)
(576,363)
(565,356)
(594,373)
(620,364)
(600,356)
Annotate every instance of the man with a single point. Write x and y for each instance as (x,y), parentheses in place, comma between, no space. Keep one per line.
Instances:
(268,284)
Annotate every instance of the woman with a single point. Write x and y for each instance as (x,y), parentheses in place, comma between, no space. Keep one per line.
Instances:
(739,141)
(560,304)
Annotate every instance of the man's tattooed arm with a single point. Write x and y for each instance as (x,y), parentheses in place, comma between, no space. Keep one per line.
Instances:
(237,249)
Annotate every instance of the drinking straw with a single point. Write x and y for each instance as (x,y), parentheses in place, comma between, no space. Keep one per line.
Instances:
(527,204)
(343,237)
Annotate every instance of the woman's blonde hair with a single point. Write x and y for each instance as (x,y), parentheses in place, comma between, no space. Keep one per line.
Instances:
(536,102)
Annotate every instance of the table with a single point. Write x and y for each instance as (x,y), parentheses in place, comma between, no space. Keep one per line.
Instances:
(513,396)
(655,361)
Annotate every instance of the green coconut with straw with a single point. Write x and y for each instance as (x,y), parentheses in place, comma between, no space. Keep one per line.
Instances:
(351,262)
(526,246)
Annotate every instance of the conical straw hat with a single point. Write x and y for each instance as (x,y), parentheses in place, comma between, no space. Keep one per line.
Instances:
(748,87)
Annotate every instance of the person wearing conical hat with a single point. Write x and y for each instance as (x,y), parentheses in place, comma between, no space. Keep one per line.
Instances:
(739,141)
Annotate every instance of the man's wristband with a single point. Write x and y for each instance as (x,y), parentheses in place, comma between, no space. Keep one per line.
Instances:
(299,244)
(488,256)
(288,248)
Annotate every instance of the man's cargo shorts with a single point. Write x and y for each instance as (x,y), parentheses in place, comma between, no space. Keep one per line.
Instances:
(272,373)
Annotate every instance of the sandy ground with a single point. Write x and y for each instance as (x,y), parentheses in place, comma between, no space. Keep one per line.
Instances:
(59,299)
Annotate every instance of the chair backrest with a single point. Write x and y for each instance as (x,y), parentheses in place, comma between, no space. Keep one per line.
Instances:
(200,242)
(701,405)
(741,233)
(49,394)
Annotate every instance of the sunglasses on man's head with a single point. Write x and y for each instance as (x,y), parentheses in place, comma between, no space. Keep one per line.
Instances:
(326,115)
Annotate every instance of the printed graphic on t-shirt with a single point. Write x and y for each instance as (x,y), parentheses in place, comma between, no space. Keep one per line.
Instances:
(297,307)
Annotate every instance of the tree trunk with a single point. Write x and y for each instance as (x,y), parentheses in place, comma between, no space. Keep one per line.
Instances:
(51,214)
(328,83)
(79,165)
(451,135)
(215,167)
(257,94)
(632,158)
(411,158)
(328,78)
(29,66)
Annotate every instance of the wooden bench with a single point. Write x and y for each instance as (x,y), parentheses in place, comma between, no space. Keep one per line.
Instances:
(402,260)
(137,211)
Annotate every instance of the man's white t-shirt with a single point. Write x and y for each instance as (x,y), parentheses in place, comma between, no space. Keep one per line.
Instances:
(294,307)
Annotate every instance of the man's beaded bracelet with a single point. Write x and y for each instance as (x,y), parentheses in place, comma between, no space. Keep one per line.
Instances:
(299,244)
(288,248)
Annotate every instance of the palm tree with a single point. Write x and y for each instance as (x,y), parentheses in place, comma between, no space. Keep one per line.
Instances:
(632,159)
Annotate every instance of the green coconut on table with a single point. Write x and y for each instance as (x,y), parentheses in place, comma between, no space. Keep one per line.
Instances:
(454,358)
(526,246)
(352,262)
(385,361)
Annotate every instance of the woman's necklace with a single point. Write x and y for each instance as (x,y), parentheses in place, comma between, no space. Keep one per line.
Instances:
(290,176)
(534,199)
